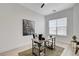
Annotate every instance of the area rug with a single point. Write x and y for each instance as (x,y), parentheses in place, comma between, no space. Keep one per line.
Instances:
(55,52)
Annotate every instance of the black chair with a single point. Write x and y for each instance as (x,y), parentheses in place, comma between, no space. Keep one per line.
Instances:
(77,43)
(34,36)
(77,47)
(40,36)
(43,38)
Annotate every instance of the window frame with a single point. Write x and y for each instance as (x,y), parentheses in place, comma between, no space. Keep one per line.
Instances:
(57,27)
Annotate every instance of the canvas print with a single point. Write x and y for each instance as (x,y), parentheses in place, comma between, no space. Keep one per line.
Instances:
(28,27)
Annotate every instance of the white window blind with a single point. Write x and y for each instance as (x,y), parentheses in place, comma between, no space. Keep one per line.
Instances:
(58,26)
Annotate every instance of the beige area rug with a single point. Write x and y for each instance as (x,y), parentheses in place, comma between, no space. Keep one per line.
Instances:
(55,52)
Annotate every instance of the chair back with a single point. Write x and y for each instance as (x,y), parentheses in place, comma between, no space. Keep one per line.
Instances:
(40,36)
(34,36)
(74,38)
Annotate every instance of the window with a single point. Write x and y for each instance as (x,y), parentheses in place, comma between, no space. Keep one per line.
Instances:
(58,26)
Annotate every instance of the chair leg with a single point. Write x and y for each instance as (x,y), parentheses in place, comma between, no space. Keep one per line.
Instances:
(76,51)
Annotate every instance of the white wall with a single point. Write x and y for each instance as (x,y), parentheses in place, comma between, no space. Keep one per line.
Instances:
(76,20)
(65,13)
(11,16)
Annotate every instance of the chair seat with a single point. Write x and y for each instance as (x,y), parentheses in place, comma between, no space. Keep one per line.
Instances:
(77,43)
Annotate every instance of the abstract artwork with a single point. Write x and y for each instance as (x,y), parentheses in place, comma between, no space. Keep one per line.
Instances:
(28,27)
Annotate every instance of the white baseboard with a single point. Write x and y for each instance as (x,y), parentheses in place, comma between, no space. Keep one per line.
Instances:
(17,47)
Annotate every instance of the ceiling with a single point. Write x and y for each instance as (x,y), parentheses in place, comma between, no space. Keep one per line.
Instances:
(48,7)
